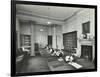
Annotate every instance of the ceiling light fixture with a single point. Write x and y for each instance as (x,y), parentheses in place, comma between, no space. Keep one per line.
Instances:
(48,22)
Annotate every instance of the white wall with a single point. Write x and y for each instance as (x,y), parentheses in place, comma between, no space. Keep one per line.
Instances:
(25,28)
(59,36)
(41,36)
(18,31)
(50,30)
(17,24)
(75,24)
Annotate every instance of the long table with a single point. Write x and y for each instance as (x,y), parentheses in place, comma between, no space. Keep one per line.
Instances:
(56,65)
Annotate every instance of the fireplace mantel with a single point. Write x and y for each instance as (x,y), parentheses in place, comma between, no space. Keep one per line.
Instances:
(86,41)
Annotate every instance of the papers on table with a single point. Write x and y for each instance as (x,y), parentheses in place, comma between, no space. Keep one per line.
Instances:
(76,65)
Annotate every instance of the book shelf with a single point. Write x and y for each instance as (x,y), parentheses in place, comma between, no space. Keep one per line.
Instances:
(26,42)
(70,40)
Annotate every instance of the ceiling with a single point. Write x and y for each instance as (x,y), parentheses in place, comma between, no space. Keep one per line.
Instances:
(44,14)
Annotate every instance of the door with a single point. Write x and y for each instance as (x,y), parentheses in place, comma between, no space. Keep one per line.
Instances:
(49,40)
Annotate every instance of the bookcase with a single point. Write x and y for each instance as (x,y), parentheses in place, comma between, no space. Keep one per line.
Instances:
(70,40)
(25,41)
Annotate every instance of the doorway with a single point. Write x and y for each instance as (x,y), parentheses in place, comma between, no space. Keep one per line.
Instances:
(50,40)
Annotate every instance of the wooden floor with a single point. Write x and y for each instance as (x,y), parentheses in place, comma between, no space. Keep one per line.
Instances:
(43,64)
(35,64)
(47,63)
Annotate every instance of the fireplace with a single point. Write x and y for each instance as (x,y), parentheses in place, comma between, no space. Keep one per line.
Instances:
(86,52)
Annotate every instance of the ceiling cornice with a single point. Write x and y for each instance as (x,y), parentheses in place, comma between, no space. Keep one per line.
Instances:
(73,14)
(37,15)
(22,12)
(29,21)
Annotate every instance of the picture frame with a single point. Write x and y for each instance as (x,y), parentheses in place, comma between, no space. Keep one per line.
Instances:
(13,37)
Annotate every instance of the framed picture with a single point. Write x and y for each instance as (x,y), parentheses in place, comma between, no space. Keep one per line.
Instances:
(52,38)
